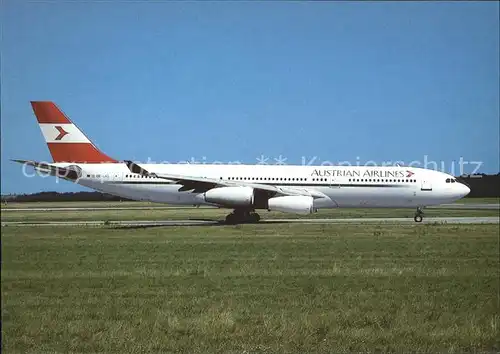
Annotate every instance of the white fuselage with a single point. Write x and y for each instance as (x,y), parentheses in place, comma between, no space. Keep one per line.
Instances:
(342,186)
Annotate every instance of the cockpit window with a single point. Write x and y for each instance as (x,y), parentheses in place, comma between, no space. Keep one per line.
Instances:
(453,180)
(448,180)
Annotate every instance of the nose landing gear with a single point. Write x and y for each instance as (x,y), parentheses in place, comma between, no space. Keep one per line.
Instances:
(419,215)
(239,216)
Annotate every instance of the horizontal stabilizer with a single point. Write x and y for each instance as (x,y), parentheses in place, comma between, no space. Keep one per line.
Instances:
(71,173)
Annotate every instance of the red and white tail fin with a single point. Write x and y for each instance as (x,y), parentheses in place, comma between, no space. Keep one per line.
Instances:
(66,142)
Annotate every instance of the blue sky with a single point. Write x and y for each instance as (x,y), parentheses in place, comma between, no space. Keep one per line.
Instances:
(231,81)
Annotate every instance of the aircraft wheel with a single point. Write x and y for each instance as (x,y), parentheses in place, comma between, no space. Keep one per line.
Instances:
(418,218)
(254,217)
(231,219)
(242,217)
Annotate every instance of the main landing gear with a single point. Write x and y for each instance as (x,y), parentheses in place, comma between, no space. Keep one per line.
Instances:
(419,215)
(239,216)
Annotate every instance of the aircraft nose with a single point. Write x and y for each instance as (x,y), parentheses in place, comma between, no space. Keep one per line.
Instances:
(464,190)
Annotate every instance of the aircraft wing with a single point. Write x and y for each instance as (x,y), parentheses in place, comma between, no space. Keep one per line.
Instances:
(203,184)
(71,173)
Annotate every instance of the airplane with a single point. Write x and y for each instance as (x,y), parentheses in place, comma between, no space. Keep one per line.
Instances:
(243,188)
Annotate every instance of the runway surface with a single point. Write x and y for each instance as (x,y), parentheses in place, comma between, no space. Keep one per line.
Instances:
(149,223)
(469,206)
(443,206)
(103,208)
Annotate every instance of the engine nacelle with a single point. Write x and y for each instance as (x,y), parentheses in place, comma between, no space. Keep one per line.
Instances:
(231,196)
(292,204)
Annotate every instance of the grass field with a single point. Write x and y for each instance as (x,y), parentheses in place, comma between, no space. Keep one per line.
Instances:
(251,288)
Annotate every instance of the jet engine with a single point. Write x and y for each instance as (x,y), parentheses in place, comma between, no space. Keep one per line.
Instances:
(233,196)
(292,204)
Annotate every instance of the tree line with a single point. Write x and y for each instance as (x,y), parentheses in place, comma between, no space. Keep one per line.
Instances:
(482,185)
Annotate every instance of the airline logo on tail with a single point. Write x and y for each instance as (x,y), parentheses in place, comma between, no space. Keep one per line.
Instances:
(61,131)
(66,142)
